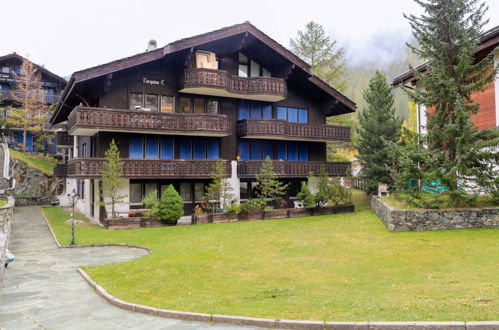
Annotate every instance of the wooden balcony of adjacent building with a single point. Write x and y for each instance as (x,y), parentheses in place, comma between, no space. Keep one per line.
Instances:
(292,169)
(144,168)
(221,83)
(89,120)
(63,139)
(283,130)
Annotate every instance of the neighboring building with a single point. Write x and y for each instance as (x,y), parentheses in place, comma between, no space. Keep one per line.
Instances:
(52,86)
(232,93)
(488,114)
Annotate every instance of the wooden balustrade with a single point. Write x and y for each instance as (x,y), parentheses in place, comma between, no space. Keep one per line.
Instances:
(148,168)
(235,86)
(63,139)
(281,129)
(86,120)
(290,169)
(61,170)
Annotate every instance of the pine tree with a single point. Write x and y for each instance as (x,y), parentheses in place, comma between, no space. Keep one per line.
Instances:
(269,187)
(31,111)
(112,181)
(219,189)
(323,55)
(378,128)
(448,35)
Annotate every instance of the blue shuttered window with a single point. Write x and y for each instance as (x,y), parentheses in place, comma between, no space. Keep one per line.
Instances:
(293,115)
(256,110)
(167,148)
(255,151)
(199,149)
(135,147)
(243,110)
(213,149)
(303,152)
(152,147)
(185,148)
(267,111)
(281,113)
(244,153)
(303,116)
(293,151)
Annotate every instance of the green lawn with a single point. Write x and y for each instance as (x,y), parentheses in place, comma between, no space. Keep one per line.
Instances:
(43,164)
(342,267)
(3,202)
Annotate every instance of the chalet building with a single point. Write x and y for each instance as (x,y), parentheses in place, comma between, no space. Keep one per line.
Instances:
(233,94)
(488,114)
(10,71)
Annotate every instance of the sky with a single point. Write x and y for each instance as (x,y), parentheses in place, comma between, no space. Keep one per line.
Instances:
(67,35)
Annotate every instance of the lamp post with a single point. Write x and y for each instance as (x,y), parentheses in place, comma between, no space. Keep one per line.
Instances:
(73,198)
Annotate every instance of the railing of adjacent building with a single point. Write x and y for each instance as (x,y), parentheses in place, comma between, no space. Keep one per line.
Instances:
(88,117)
(15,95)
(234,84)
(250,168)
(62,138)
(276,127)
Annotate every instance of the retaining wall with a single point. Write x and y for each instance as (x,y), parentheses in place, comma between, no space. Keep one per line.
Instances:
(428,219)
(6,213)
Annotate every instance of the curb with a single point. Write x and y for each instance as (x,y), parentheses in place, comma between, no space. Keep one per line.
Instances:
(262,322)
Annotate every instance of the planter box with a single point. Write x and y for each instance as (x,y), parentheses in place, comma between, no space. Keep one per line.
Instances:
(251,216)
(122,223)
(276,214)
(302,212)
(200,219)
(151,223)
(222,217)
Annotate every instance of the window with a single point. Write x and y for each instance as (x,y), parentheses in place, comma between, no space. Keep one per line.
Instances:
(166,103)
(185,148)
(163,188)
(167,151)
(83,150)
(281,113)
(251,68)
(151,189)
(185,191)
(303,116)
(243,65)
(185,105)
(152,147)
(303,152)
(151,102)
(266,73)
(292,151)
(243,190)
(135,192)
(199,189)
(212,106)
(5,69)
(244,153)
(213,149)
(254,110)
(255,69)
(135,147)
(136,101)
(244,110)
(256,150)
(199,149)
(198,105)
(293,115)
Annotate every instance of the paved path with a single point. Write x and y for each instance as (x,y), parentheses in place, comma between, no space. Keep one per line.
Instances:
(42,289)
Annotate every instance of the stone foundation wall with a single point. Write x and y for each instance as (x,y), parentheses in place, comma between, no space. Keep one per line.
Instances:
(427,219)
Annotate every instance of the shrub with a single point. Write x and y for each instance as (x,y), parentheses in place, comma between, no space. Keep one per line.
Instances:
(253,205)
(306,197)
(168,209)
(233,207)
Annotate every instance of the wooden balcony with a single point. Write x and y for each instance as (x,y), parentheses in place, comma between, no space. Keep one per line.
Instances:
(221,83)
(61,170)
(283,130)
(147,168)
(290,169)
(88,121)
(63,139)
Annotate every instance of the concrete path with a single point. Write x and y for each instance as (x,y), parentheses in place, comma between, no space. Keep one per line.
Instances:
(42,289)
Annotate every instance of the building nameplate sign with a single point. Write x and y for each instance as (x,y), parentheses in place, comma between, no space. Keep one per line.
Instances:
(153,82)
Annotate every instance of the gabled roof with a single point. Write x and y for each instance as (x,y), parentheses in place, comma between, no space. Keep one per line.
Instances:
(187,43)
(488,39)
(39,67)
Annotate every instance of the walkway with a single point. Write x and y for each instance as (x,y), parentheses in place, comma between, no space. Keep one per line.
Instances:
(42,289)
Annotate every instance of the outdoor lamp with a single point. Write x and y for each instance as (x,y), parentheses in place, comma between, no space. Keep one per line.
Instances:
(73,198)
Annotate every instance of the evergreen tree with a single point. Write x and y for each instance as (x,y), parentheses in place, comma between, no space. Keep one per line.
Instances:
(112,181)
(168,209)
(219,189)
(448,35)
(378,128)
(324,56)
(269,187)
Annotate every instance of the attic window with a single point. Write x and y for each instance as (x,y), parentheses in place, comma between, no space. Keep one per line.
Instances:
(251,68)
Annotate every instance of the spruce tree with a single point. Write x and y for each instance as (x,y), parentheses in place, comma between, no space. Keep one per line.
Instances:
(269,187)
(448,36)
(378,129)
(219,189)
(112,181)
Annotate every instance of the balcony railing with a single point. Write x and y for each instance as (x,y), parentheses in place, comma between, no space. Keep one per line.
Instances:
(63,139)
(87,121)
(221,83)
(284,130)
(15,95)
(147,168)
(290,169)
(61,170)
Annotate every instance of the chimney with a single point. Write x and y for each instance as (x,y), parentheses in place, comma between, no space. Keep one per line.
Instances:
(152,45)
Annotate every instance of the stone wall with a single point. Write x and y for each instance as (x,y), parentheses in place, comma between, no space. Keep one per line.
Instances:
(32,183)
(6,213)
(427,219)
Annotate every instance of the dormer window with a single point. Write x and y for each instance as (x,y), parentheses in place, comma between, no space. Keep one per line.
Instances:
(250,68)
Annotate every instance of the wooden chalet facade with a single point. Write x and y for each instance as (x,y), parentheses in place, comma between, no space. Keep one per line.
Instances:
(488,114)
(232,93)
(51,88)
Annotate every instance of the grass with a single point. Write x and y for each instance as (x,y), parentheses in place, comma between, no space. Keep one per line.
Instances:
(43,164)
(3,202)
(400,202)
(344,267)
